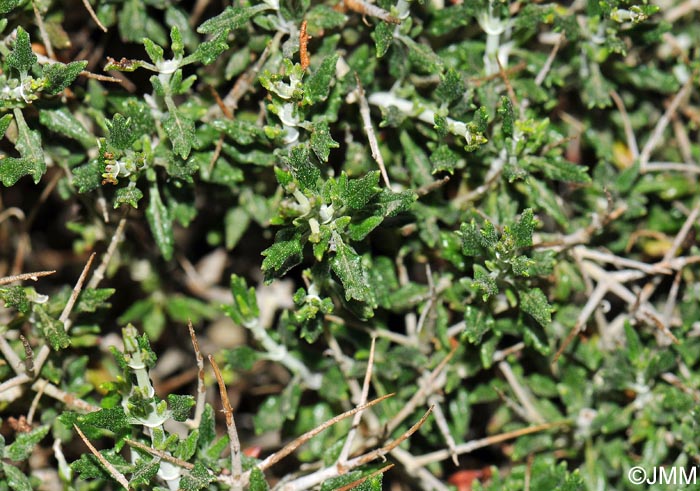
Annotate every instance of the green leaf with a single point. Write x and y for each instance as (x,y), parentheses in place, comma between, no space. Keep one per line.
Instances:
(7,6)
(16,479)
(180,406)
(111,419)
(451,87)
(154,52)
(88,177)
(230,19)
(303,170)
(92,299)
(180,130)
(12,169)
(318,84)
(161,224)
(208,51)
(198,478)
(257,481)
(383,36)
(52,329)
(28,145)
(121,132)
(244,309)
(558,168)
(392,203)
(417,161)
(322,141)
(484,282)
(63,122)
(280,257)
(534,302)
(15,297)
(236,222)
(523,228)
(347,264)
(187,447)
(24,443)
(356,193)
(21,58)
(127,196)
(241,358)
(506,112)
(59,76)
(4,124)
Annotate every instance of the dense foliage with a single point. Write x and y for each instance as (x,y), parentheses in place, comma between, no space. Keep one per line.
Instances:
(484,209)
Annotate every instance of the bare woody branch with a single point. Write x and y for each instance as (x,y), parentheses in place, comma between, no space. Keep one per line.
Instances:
(118,476)
(201,387)
(25,276)
(234,442)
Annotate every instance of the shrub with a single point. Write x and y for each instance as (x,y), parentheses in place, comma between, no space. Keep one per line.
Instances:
(458,237)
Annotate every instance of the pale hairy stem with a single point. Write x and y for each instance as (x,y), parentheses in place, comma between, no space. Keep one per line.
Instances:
(369,131)
(435,402)
(521,392)
(99,273)
(69,400)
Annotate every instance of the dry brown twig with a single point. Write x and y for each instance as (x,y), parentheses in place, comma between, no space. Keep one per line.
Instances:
(201,387)
(118,476)
(304,46)
(234,443)
(25,276)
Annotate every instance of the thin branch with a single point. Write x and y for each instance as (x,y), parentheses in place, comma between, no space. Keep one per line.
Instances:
(201,387)
(432,186)
(70,400)
(345,452)
(25,276)
(419,396)
(99,273)
(42,31)
(234,443)
(626,124)
(469,447)
(118,476)
(35,404)
(159,453)
(521,392)
(28,356)
(381,452)
(622,262)
(441,421)
(369,130)
(427,479)
(45,350)
(76,290)
(656,135)
(11,357)
(92,13)
(542,74)
(299,441)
